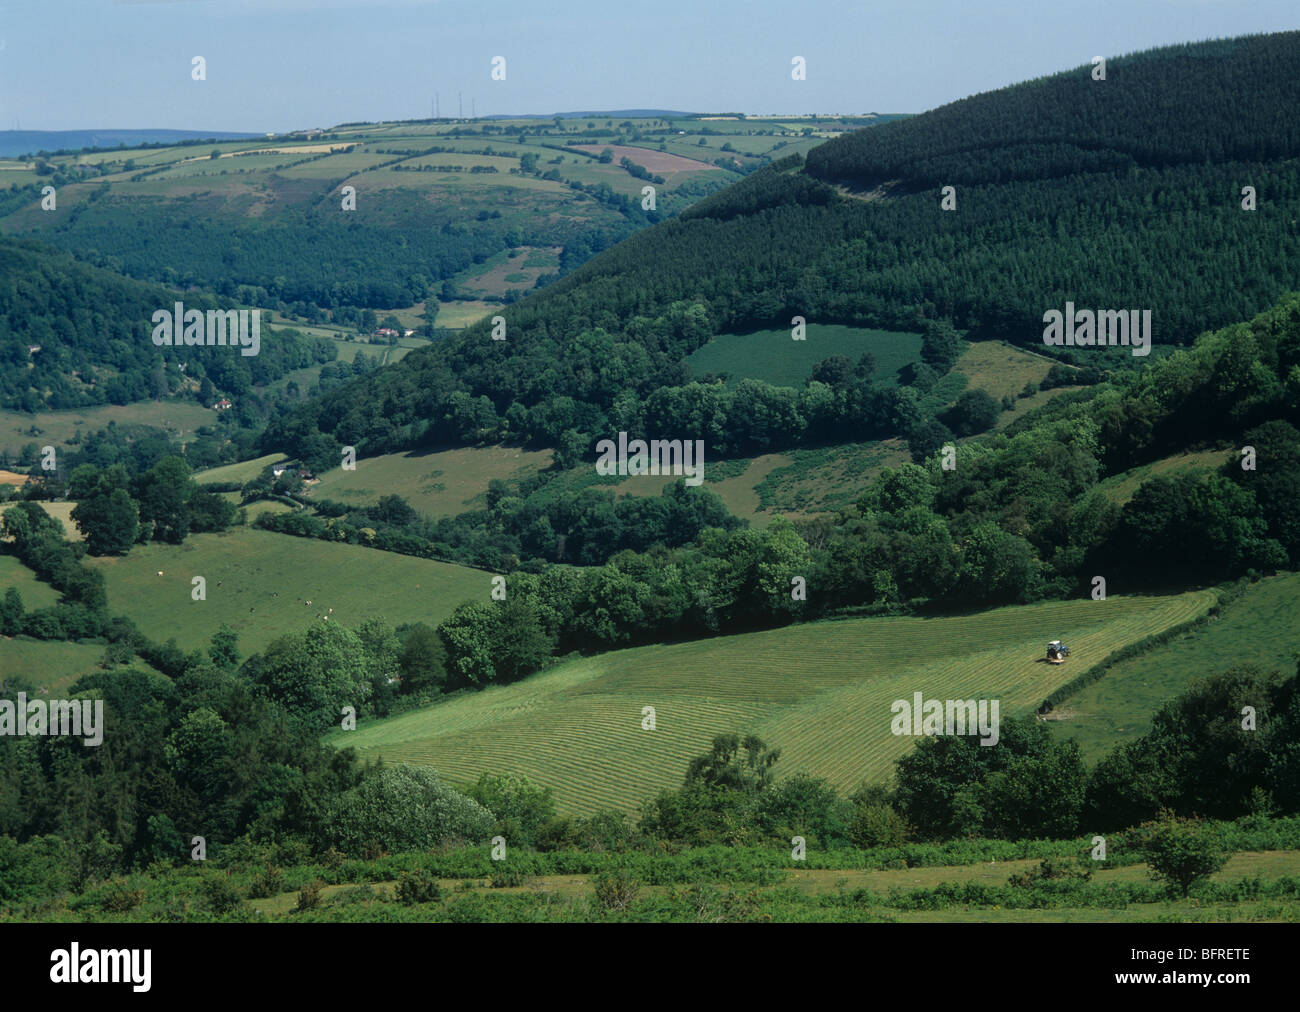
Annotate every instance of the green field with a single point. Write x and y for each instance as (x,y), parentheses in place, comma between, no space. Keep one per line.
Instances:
(796,483)
(772,355)
(436,483)
(62,512)
(826,479)
(1026,404)
(55,427)
(458,315)
(741,492)
(35,593)
(244,471)
(515,270)
(1120,488)
(822,692)
(1257,628)
(50,664)
(246,568)
(1000,369)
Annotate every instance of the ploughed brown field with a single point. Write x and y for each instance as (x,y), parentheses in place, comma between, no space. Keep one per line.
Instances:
(659,162)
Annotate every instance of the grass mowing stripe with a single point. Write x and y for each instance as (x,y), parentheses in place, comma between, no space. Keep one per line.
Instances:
(821,692)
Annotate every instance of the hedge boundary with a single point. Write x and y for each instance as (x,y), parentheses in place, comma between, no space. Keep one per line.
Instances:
(1227,593)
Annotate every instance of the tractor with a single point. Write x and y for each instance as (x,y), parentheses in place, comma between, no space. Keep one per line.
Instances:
(1057,652)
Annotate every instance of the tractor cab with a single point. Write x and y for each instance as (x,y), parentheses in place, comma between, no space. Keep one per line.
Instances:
(1057,652)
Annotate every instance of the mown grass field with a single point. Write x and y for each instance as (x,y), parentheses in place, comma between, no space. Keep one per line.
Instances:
(1000,369)
(435,483)
(821,692)
(1257,628)
(245,569)
(1120,488)
(773,356)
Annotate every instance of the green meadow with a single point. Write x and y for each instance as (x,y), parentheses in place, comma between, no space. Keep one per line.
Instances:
(1257,628)
(822,692)
(436,483)
(259,584)
(773,356)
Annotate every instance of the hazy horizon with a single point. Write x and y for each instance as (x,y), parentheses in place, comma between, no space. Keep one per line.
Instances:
(281,65)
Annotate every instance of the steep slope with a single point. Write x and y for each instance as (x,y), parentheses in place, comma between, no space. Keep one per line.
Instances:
(1123,193)
(74,335)
(820,692)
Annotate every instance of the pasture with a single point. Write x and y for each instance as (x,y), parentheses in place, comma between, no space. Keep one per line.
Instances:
(1257,628)
(436,483)
(1120,488)
(515,270)
(460,314)
(773,356)
(821,692)
(1000,369)
(828,478)
(60,511)
(244,471)
(259,583)
(17,428)
(48,664)
(14,574)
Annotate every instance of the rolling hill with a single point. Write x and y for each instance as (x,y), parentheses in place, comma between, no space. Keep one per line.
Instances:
(813,237)
(1255,629)
(821,692)
(264,585)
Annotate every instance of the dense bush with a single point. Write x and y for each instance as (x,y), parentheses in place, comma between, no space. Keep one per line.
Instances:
(405,808)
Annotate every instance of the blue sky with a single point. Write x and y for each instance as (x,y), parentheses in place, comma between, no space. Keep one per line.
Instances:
(284,64)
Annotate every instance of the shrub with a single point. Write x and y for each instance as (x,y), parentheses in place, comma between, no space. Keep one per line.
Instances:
(405,808)
(268,882)
(354,894)
(504,877)
(877,826)
(221,894)
(119,897)
(418,887)
(1056,869)
(616,889)
(309,896)
(331,858)
(1181,852)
